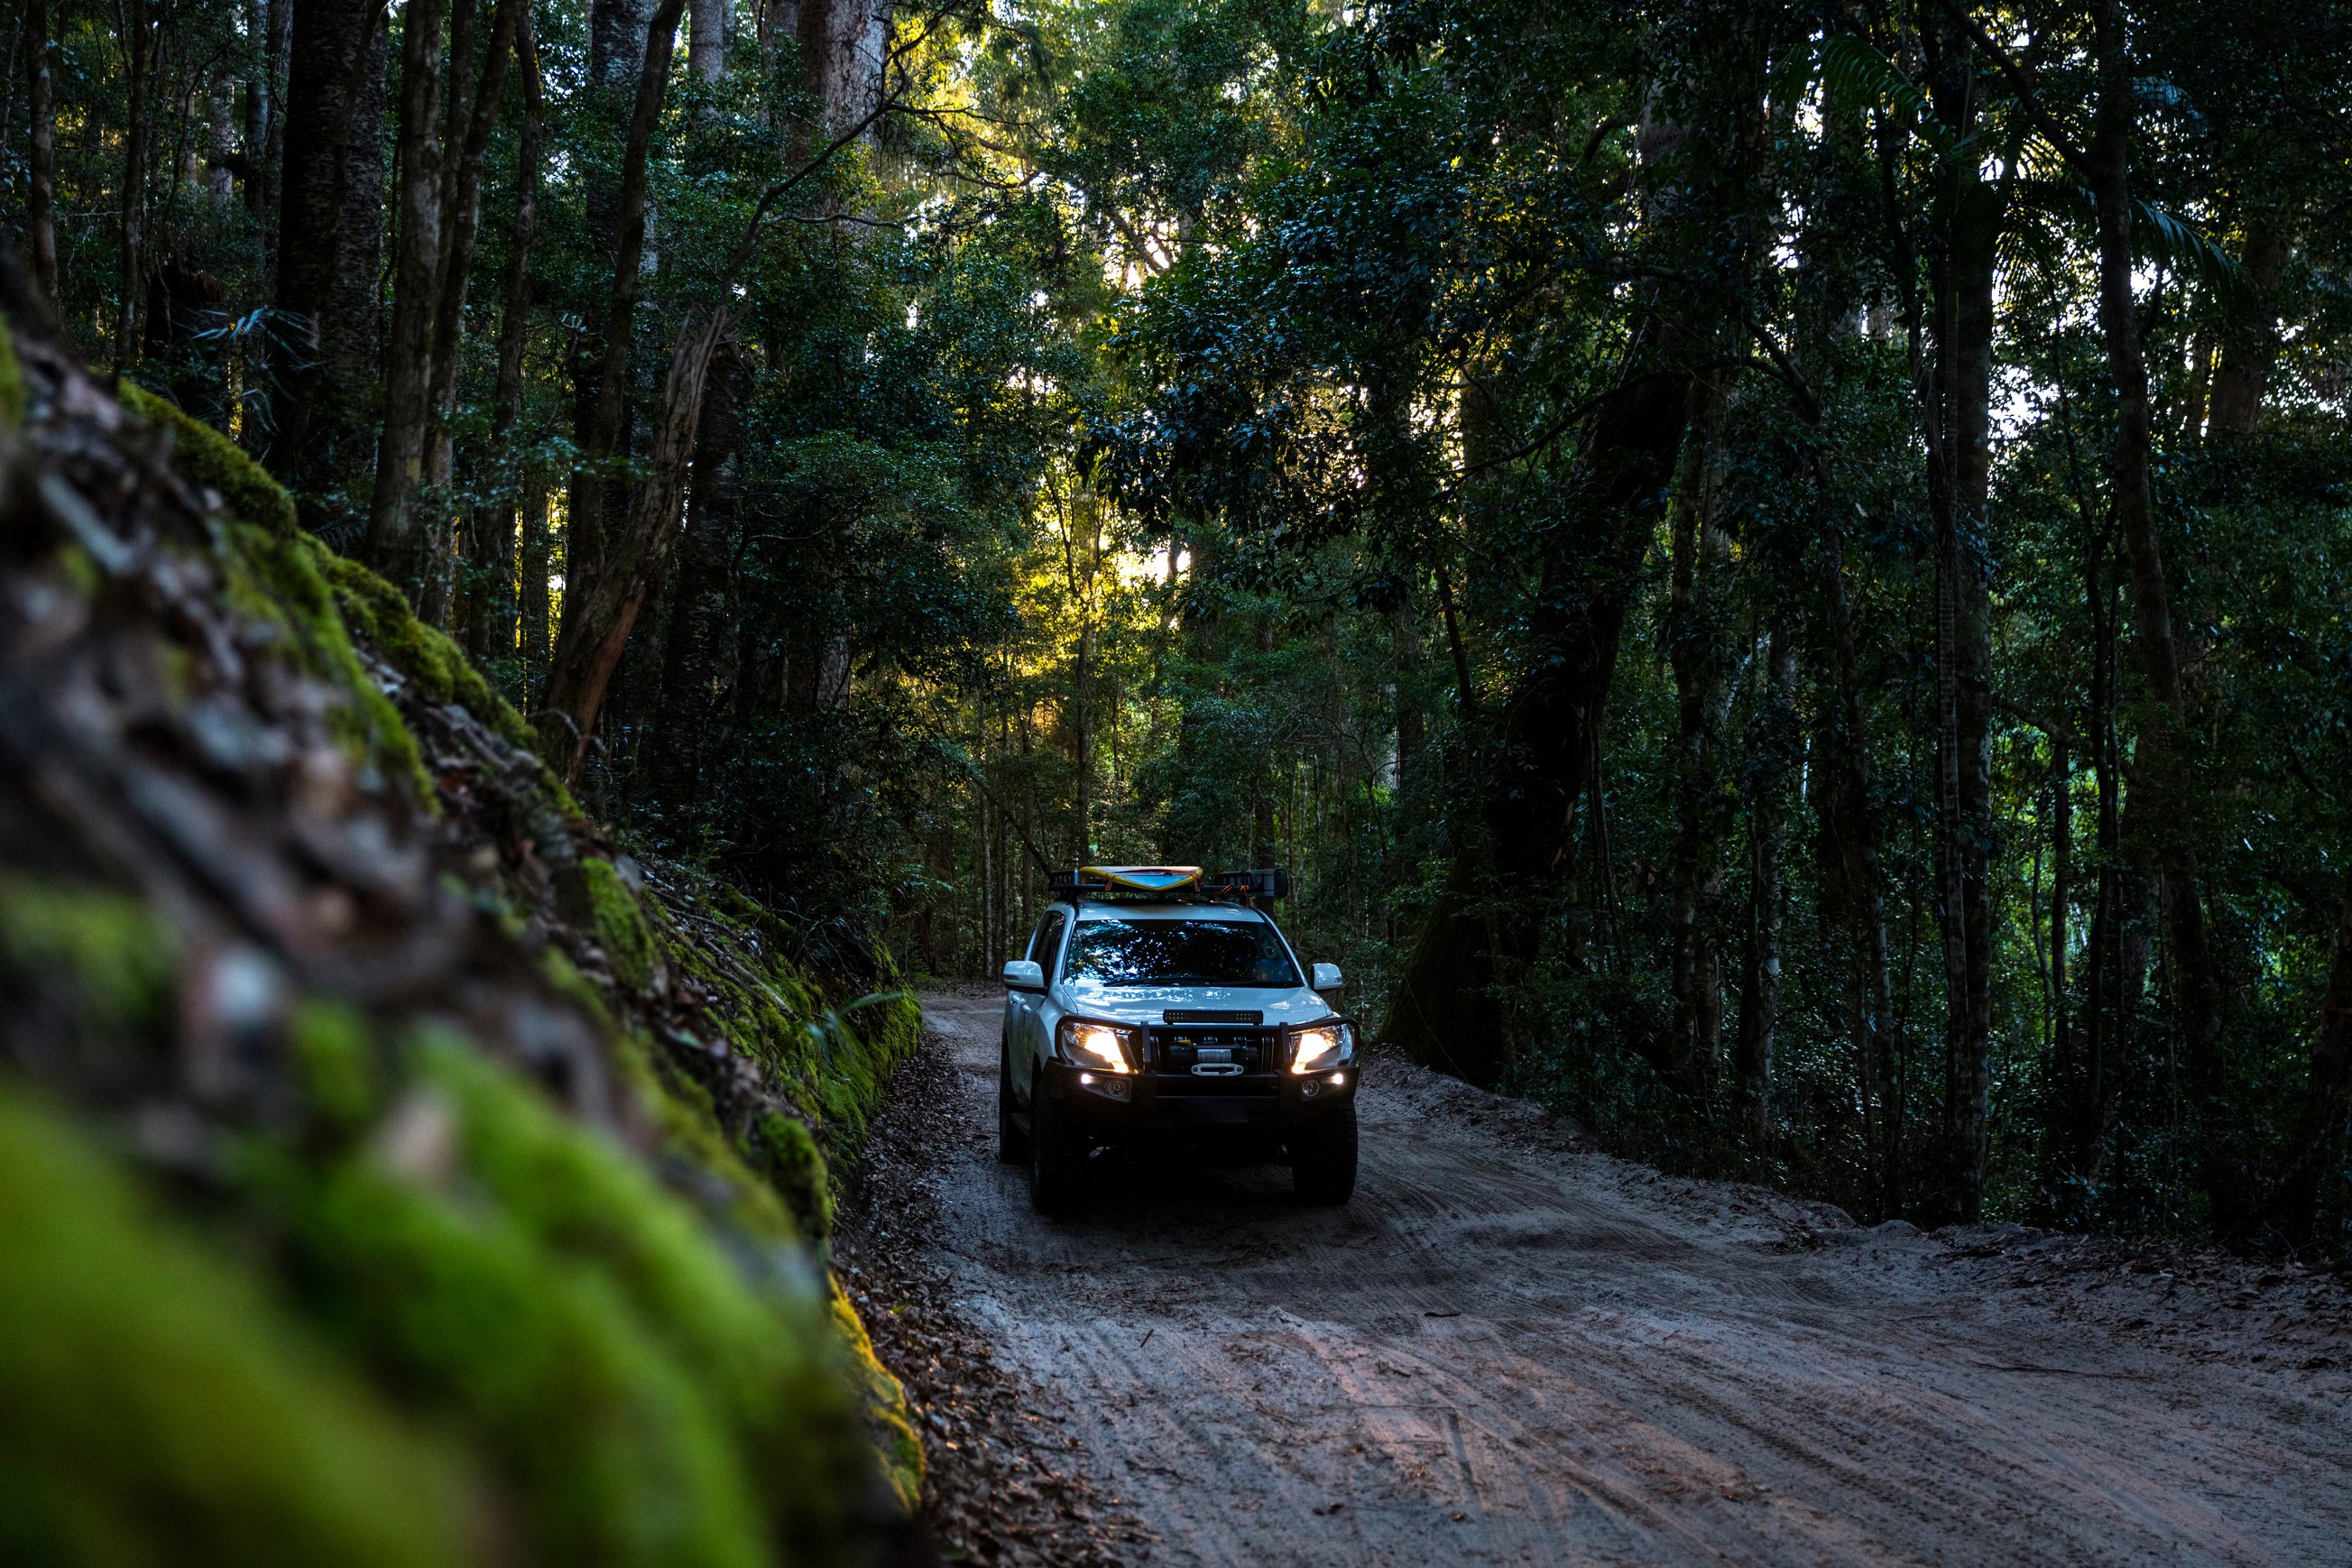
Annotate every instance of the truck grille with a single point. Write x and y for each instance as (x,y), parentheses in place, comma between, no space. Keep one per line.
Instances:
(1178,1049)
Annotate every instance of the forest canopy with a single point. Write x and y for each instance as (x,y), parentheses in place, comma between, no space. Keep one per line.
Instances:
(1778,575)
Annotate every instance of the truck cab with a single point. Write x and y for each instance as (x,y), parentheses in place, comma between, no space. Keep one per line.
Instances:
(1155,1008)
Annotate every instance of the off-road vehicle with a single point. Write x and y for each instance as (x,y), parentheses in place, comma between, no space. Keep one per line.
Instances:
(1159,1009)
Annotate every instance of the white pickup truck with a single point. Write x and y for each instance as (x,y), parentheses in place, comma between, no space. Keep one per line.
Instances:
(1160,1009)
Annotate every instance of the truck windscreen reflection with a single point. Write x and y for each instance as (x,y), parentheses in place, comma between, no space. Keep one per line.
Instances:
(1181,952)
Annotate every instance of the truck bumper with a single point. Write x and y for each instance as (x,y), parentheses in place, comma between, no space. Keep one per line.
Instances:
(1119,1107)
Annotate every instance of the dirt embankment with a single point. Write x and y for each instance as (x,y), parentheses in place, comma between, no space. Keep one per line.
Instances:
(1509,1349)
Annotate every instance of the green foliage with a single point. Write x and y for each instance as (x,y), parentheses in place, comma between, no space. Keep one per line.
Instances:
(161,1408)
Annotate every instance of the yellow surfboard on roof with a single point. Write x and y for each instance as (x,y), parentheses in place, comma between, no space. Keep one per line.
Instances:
(1145,879)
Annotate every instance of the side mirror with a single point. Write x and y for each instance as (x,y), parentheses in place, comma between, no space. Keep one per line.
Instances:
(1327,977)
(1021,974)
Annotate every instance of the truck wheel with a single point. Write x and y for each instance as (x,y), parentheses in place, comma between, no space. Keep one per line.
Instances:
(1057,1159)
(1323,1159)
(1011,1143)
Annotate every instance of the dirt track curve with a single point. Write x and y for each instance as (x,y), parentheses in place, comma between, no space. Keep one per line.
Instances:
(1506,1350)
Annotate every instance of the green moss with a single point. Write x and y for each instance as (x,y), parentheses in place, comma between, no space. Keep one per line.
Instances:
(893,1424)
(279,578)
(620,924)
(208,458)
(379,612)
(104,956)
(610,1453)
(335,1060)
(160,1410)
(648,1400)
(795,1168)
(12,399)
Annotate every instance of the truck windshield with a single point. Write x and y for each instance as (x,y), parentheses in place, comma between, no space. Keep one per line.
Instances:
(1179,952)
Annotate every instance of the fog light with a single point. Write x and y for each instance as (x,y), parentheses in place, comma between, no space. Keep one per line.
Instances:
(1310,1090)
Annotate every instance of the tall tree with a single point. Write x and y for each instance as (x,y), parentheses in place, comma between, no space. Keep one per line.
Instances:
(40,153)
(397,544)
(329,244)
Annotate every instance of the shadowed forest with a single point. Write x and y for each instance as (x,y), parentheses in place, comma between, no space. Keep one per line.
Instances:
(1781,575)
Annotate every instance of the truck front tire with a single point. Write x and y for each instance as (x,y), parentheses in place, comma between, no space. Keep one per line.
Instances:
(1057,1156)
(1323,1159)
(1011,1143)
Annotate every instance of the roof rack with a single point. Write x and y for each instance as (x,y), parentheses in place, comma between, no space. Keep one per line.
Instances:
(1175,884)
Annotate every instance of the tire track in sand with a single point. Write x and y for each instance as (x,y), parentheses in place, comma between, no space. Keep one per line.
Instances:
(1504,1350)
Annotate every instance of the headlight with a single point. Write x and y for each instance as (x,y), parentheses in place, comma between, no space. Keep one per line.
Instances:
(1324,1045)
(1096,1046)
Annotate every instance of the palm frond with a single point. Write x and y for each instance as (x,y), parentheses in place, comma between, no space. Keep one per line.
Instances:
(1856,76)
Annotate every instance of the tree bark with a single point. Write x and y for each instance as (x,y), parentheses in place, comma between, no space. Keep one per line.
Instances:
(1777,745)
(618,58)
(2161,803)
(489,625)
(841,47)
(1960,484)
(139,52)
(698,629)
(537,566)
(706,46)
(397,544)
(2250,342)
(600,607)
(1485,923)
(329,242)
(41,156)
(473,114)
(603,438)
(2293,1202)
(1695,643)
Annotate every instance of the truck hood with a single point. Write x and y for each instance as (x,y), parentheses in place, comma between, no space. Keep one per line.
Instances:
(1144,1003)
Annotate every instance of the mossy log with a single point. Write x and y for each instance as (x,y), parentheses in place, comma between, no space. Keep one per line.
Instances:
(395,1170)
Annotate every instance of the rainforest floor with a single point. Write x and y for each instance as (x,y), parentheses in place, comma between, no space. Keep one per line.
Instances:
(1508,1348)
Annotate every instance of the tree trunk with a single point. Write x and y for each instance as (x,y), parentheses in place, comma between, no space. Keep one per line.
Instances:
(618,60)
(41,155)
(705,45)
(220,154)
(604,435)
(2160,798)
(2249,343)
(699,612)
(537,566)
(138,51)
(2294,1205)
(472,115)
(1777,745)
(1701,560)
(842,44)
(1848,826)
(1959,483)
(600,607)
(329,242)
(491,610)
(1486,920)
(397,544)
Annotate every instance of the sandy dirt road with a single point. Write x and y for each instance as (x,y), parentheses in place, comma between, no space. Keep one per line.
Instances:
(1506,1350)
